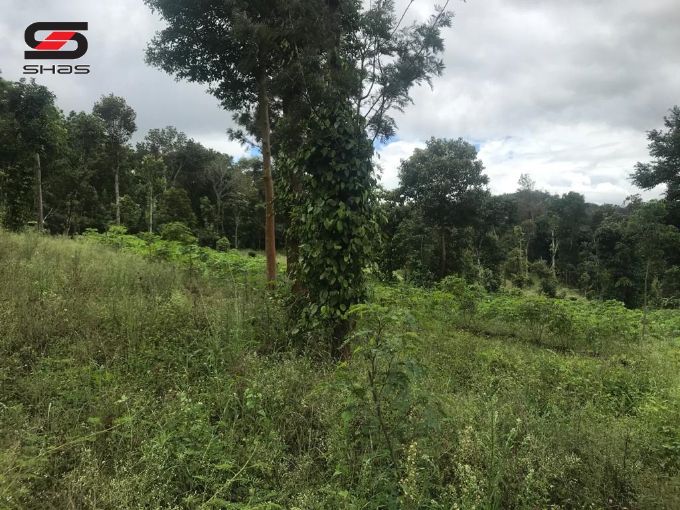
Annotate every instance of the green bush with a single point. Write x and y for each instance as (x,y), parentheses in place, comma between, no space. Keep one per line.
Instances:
(130,383)
(549,285)
(177,231)
(222,244)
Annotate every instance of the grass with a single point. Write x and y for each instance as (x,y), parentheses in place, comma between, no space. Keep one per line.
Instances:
(134,380)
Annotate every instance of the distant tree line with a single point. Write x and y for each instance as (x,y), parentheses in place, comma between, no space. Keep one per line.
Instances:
(66,173)
(442,220)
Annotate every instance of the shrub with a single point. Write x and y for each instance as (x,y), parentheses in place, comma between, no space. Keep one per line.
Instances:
(540,269)
(491,280)
(149,237)
(466,297)
(116,230)
(549,285)
(177,231)
(222,244)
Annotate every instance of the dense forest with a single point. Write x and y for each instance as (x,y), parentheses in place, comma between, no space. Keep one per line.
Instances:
(64,174)
(184,329)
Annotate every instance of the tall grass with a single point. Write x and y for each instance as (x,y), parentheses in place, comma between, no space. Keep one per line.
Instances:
(132,382)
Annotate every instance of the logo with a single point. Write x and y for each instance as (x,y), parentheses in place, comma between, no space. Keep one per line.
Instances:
(50,47)
(60,34)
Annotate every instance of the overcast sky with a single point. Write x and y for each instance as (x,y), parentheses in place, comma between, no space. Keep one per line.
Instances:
(564,91)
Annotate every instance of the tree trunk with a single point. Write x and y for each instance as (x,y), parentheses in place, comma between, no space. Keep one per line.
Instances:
(643,333)
(237,220)
(39,195)
(520,258)
(220,214)
(442,262)
(526,260)
(150,212)
(553,252)
(269,231)
(339,349)
(117,189)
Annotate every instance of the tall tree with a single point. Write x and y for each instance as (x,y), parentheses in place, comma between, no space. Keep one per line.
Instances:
(167,143)
(241,197)
(664,147)
(339,226)
(446,182)
(152,170)
(238,53)
(36,130)
(266,58)
(119,124)
(73,189)
(572,230)
(219,173)
(367,57)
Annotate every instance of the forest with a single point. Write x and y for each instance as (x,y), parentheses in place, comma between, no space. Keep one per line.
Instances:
(66,174)
(183,328)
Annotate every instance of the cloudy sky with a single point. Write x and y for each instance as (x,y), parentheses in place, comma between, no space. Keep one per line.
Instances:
(564,91)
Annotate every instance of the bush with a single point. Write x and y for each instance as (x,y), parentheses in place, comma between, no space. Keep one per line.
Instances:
(549,286)
(540,269)
(519,280)
(207,236)
(223,244)
(116,230)
(149,237)
(130,212)
(491,280)
(177,231)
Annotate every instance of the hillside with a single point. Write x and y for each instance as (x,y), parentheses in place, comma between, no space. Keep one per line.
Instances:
(138,375)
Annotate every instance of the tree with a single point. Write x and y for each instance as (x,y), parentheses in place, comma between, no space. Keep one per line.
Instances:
(242,196)
(339,224)
(365,57)
(446,182)
(119,124)
(35,133)
(267,59)
(152,170)
(168,144)
(664,147)
(654,240)
(218,174)
(391,59)
(526,183)
(572,229)
(75,192)
(237,52)
(175,206)
(531,203)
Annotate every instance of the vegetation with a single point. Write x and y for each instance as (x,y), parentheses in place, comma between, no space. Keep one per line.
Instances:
(129,381)
(431,346)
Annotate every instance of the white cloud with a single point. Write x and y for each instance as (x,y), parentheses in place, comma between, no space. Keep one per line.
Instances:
(594,160)
(389,157)
(222,143)
(561,90)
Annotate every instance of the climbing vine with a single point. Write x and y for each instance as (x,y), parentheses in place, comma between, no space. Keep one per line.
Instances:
(332,206)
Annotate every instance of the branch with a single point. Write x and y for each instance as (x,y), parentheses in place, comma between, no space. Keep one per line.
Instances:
(403,14)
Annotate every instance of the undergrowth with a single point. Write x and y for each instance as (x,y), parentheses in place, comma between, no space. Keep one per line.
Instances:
(132,380)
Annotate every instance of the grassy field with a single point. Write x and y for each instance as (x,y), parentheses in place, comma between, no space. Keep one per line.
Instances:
(150,375)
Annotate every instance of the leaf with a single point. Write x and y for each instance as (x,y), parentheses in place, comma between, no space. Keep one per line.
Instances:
(347,417)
